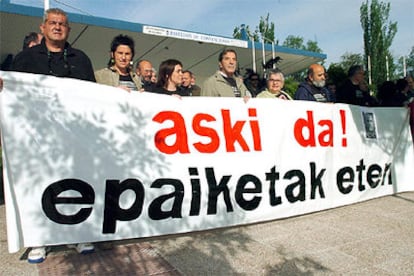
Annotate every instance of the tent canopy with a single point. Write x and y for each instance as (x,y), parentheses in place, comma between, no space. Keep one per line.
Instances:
(198,52)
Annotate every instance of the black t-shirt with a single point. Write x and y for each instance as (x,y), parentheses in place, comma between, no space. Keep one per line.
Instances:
(179,91)
(350,93)
(232,82)
(148,86)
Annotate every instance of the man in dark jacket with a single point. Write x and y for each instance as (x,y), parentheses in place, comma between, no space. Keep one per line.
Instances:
(54,56)
(352,91)
(313,88)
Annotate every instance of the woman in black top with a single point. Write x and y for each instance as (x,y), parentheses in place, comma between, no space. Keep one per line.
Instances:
(170,77)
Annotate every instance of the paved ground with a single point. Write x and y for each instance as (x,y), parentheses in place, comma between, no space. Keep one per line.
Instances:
(375,237)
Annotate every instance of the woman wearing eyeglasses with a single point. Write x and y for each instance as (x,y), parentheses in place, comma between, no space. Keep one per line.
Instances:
(275,83)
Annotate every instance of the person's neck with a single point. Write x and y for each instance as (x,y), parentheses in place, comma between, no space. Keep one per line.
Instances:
(227,75)
(171,86)
(122,71)
(55,47)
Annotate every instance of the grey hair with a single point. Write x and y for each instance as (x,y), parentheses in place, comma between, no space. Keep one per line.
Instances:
(55,11)
(274,72)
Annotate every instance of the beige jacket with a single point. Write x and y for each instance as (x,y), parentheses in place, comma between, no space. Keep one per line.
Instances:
(267,94)
(111,77)
(217,86)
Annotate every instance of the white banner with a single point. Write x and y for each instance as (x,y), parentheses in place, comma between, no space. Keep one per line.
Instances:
(85,162)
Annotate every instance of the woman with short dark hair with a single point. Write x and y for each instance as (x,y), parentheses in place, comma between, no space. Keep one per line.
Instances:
(119,72)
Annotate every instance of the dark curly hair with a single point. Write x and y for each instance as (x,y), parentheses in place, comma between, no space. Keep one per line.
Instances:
(122,40)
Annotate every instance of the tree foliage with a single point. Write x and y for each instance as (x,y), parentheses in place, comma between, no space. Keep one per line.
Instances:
(237,33)
(350,59)
(298,42)
(379,33)
(336,74)
(312,45)
(265,31)
(409,64)
(295,42)
(291,85)
(410,61)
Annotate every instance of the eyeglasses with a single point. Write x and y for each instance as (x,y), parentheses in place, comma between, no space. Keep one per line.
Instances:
(273,80)
(55,23)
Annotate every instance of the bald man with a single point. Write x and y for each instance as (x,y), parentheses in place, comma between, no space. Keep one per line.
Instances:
(313,88)
(144,70)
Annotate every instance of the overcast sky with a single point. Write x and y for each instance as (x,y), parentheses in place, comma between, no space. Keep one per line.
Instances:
(334,24)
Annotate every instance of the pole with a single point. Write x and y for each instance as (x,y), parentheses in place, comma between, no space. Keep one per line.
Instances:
(404,67)
(46,5)
(369,71)
(263,54)
(253,55)
(386,67)
(273,50)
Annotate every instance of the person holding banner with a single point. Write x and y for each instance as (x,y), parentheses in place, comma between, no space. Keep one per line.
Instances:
(119,73)
(54,56)
(275,82)
(224,83)
(313,88)
(353,90)
(170,78)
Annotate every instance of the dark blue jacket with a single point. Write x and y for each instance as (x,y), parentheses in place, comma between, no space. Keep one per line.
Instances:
(308,92)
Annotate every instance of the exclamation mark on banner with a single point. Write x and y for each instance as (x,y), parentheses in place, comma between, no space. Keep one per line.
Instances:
(343,122)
